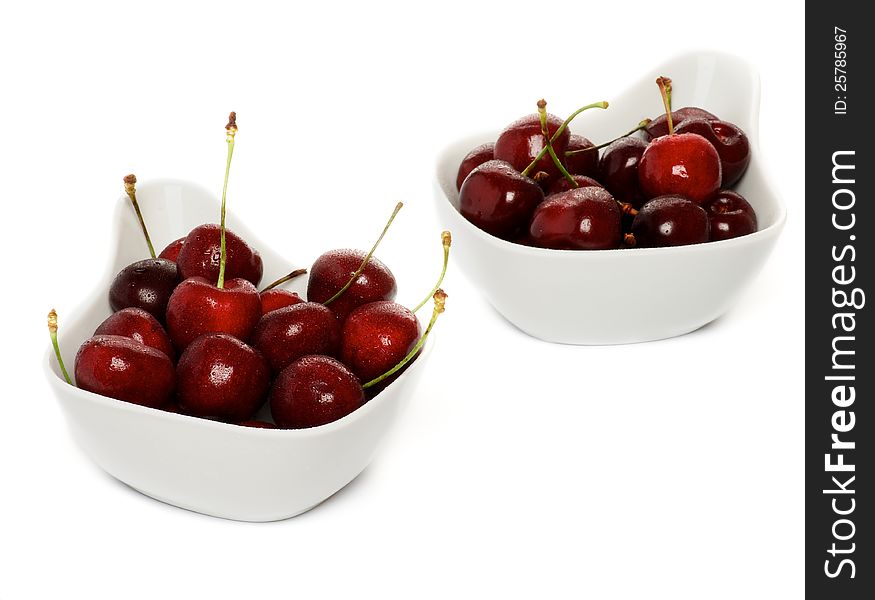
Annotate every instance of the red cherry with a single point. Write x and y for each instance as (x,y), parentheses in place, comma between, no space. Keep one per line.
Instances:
(124,369)
(498,199)
(521,142)
(138,325)
(618,169)
(730,142)
(584,163)
(332,271)
(730,216)
(313,391)
(273,299)
(221,377)
(197,307)
(145,284)
(474,159)
(287,334)
(563,185)
(376,336)
(201,254)
(586,218)
(670,221)
(685,164)
(171,252)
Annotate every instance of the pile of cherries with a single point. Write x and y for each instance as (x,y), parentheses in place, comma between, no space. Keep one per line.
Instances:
(665,183)
(191,333)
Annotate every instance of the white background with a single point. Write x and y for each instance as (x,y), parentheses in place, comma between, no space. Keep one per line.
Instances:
(520,469)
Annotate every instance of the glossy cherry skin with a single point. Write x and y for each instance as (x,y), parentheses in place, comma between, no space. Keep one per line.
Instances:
(522,141)
(376,337)
(585,163)
(221,377)
(474,159)
(498,199)
(730,142)
(658,127)
(685,164)
(197,307)
(313,391)
(201,253)
(730,216)
(670,221)
(333,269)
(585,218)
(138,325)
(124,369)
(563,185)
(287,334)
(145,284)
(171,252)
(618,169)
(275,298)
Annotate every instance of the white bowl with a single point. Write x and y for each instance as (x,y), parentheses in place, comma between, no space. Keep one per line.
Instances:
(626,295)
(213,468)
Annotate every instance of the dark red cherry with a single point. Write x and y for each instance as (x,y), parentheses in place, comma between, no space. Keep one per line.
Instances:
(171,252)
(124,369)
(332,271)
(221,377)
(145,284)
(584,163)
(563,185)
(585,218)
(276,298)
(376,336)
(618,169)
(730,142)
(313,391)
(498,199)
(200,256)
(138,325)
(521,142)
(658,127)
(730,215)
(197,307)
(287,334)
(474,159)
(685,164)
(670,221)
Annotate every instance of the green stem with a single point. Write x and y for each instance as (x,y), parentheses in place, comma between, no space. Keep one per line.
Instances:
(367,258)
(131,189)
(231,131)
(559,131)
(641,125)
(285,278)
(664,84)
(446,239)
(542,114)
(440,299)
(53,333)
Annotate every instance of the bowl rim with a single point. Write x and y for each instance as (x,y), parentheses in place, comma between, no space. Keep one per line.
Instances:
(773,229)
(56,379)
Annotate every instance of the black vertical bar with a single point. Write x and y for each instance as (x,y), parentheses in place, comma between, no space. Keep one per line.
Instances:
(839,366)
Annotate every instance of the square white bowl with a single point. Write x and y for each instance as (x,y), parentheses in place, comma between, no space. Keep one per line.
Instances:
(631,294)
(214,468)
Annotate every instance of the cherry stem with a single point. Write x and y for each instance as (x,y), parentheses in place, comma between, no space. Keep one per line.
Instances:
(641,125)
(289,277)
(230,132)
(131,189)
(559,131)
(440,299)
(367,258)
(53,333)
(627,209)
(446,240)
(542,114)
(664,84)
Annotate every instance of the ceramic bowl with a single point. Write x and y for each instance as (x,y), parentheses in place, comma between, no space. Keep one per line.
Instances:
(626,295)
(213,468)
